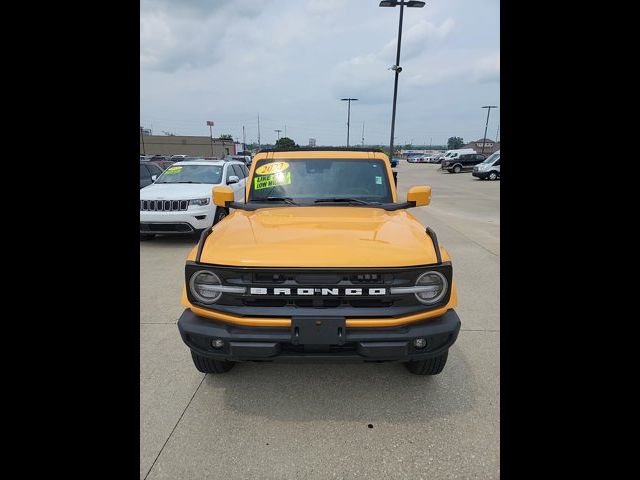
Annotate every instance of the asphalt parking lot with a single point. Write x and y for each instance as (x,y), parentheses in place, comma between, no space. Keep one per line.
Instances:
(332,420)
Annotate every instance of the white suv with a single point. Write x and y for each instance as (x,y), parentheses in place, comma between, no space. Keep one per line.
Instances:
(180,200)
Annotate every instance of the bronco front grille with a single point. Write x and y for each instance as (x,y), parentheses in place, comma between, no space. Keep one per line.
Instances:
(269,291)
(163,205)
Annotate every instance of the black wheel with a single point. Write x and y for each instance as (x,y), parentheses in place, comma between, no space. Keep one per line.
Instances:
(208,365)
(430,366)
(493,175)
(457,169)
(146,236)
(220,214)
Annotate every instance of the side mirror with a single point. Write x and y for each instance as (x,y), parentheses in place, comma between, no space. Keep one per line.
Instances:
(420,195)
(222,195)
(232,179)
(154,178)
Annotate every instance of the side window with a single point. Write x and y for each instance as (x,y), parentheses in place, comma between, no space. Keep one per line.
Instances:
(144,173)
(497,163)
(155,170)
(245,170)
(239,171)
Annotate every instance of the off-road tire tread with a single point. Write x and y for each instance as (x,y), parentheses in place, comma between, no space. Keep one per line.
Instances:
(430,366)
(209,365)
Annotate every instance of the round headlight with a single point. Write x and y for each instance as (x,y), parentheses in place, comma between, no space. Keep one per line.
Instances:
(201,284)
(436,284)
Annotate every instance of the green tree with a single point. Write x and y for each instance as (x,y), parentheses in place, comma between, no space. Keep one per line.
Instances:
(226,136)
(454,142)
(286,142)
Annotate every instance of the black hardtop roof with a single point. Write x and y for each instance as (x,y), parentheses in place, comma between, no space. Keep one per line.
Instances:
(322,149)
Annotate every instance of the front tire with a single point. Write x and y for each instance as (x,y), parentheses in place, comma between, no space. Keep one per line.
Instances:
(208,365)
(493,176)
(220,214)
(430,366)
(457,169)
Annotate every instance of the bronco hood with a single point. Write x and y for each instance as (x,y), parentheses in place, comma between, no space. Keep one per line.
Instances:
(319,236)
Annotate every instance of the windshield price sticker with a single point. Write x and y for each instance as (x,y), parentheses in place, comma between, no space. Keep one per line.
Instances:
(378,180)
(173,170)
(272,180)
(271,168)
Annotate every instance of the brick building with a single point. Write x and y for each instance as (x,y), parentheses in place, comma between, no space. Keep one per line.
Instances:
(490,146)
(186,145)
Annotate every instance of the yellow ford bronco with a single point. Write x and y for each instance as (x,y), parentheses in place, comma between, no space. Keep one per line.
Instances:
(321,262)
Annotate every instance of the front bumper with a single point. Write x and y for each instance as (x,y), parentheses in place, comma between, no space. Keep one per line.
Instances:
(197,218)
(359,344)
(480,174)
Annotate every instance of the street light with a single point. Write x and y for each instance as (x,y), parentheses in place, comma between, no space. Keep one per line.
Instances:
(489,107)
(348,114)
(397,68)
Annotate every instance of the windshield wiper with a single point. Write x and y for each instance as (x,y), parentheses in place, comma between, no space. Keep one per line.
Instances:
(345,200)
(287,200)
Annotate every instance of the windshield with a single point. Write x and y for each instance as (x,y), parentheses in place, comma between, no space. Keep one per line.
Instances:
(191,174)
(306,180)
(492,158)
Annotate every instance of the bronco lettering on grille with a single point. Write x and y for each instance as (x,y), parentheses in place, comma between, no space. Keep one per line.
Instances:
(318,291)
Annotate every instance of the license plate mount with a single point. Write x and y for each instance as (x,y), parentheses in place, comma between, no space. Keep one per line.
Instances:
(318,330)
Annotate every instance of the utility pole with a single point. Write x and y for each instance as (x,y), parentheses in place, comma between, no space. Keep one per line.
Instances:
(144,152)
(363,134)
(278,133)
(488,107)
(244,140)
(349,100)
(258,131)
(210,124)
(497,133)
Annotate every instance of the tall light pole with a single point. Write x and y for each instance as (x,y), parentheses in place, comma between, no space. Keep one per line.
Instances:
(396,67)
(258,131)
(278,133)
(210,125)
(488,107)
(348,114)
(144,152)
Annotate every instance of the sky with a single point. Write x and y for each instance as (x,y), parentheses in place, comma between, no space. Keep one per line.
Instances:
(291,61)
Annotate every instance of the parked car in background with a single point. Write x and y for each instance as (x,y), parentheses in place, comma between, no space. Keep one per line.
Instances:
(180,199)
(464,162)
(149,172)
(246,159)
(437,158)
(395,161)
(163,164)
(490,168)
(417,159)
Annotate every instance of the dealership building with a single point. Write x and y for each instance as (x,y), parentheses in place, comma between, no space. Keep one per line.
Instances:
(186,145)
(490,146)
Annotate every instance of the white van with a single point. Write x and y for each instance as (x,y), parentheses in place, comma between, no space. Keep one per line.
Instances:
(490,168)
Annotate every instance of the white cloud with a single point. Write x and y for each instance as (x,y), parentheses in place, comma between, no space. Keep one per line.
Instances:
(292,61)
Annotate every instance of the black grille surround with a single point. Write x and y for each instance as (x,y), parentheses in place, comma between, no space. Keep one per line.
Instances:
(272,305)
